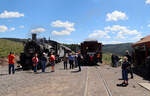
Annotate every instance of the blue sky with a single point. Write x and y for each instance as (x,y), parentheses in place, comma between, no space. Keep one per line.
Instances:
(73,21)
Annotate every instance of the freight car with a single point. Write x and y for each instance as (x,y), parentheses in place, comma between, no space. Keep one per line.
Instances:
(39,46)
(91,52)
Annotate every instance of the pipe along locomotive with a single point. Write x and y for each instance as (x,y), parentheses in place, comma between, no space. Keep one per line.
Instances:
(39,46)
(91,51)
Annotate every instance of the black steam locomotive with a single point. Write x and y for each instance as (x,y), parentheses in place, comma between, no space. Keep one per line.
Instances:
(92,52)
(39,46)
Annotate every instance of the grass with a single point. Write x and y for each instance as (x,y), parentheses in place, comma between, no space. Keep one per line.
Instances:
(107,58)
(6,46)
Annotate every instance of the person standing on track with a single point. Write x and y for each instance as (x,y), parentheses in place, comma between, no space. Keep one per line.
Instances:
(52,62)
(11,61)
(130,63)
(43,61)
(35,61)
(125,66)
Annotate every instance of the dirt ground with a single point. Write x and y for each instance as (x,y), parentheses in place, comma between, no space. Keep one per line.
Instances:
(88,82)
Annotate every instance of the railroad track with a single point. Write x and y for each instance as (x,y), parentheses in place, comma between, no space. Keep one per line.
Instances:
(100,78)
(104,82)
(86,83)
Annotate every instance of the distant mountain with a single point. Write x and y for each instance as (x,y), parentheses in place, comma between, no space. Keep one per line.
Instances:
(117,48)
(107,48)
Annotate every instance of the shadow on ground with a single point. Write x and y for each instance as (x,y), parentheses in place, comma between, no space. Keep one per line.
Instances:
(3,74)
(75,71)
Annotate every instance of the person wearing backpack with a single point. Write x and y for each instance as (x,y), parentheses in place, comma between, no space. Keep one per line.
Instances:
(52,62)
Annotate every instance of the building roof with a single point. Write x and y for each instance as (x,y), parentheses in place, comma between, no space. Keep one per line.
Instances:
(143,41)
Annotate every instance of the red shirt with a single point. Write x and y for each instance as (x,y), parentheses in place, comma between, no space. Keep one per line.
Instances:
(35,60)
(51,58)
(11,59)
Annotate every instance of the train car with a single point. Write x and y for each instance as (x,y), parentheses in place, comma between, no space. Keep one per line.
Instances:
(141,56)
(59,50)
(91,52)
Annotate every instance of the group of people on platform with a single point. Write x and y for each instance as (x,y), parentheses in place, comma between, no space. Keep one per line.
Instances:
(74,60)
(44,60)
(35,60)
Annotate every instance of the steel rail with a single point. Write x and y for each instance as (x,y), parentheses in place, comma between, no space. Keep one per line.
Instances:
(105,82)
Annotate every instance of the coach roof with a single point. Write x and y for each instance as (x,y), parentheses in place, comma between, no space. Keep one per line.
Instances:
(143,41)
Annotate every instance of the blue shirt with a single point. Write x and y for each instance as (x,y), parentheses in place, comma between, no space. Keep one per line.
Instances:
(125,65)
(71,57)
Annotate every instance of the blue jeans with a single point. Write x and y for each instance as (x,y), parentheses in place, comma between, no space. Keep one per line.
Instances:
(11,66)
(35,68)
(65,64)
(125,75)
(43,66)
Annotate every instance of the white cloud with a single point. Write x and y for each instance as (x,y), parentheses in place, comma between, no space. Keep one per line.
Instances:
(99,34)
(121,30)
(118,32)
(116,15)
(69,27)
(3,28)
(112,42)
(147,2)
(12,29)
(120,36)
(63,32)
(137,37)
(11,14)
(38,30)
(21,26)
(148,25)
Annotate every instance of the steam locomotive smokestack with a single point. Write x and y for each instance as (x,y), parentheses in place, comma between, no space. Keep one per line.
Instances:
(34,36)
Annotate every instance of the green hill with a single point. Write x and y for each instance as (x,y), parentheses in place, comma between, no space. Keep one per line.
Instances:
(8,45)
(15,39)
(15,44)
(117,48)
